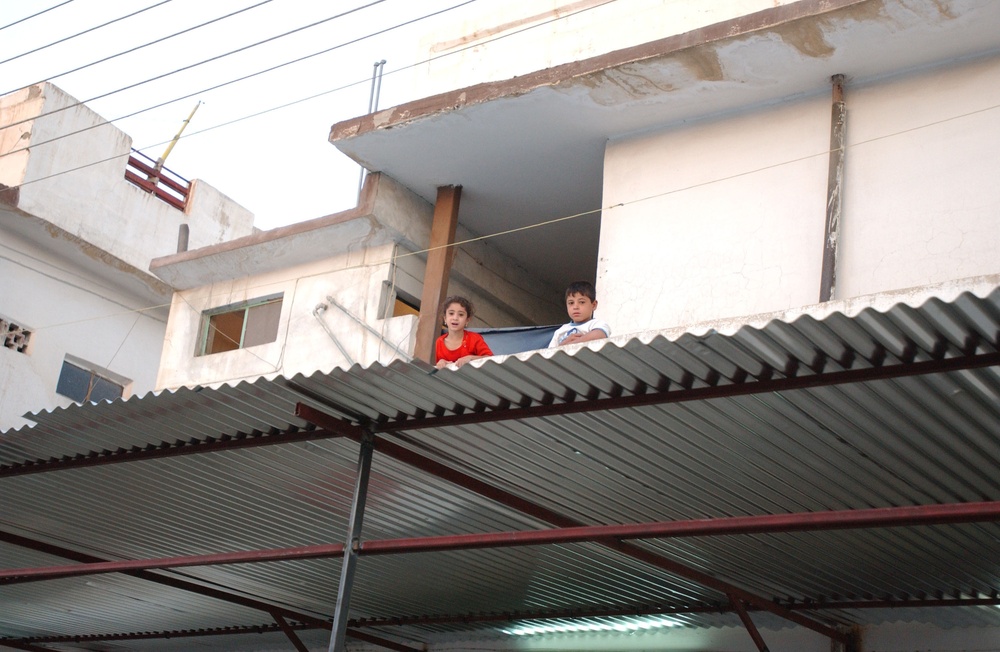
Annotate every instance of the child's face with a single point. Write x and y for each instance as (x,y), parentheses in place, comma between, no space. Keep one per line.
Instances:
(580,307)
(455,317)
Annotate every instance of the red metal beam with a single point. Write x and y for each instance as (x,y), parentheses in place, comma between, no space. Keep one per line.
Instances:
(186,585)
(741,611)
(516,502)
(682,395)
(727,526)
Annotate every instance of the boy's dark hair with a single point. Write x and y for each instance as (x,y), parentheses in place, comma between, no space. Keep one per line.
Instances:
(462,301)
(586,288)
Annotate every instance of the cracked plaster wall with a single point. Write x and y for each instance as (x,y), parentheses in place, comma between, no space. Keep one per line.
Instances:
(921,198)
(725,218)
(720,219)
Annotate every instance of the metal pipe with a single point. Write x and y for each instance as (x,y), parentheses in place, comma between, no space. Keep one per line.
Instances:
(321,308)
(373,96)
(347,569)
(834,192)
(338,306)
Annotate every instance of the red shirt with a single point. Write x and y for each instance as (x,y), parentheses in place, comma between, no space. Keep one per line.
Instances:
(472,344)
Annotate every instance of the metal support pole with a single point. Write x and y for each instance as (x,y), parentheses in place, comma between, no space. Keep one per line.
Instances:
(353,543)
(373,96)
(834,192)
(741,610)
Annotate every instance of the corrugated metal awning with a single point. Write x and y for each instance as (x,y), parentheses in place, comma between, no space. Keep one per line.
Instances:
(847,412)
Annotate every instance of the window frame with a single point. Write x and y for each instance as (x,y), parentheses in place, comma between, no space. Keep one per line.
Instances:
(242,306)
(95,371)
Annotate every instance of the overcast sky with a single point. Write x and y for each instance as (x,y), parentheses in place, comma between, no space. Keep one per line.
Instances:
(279,165)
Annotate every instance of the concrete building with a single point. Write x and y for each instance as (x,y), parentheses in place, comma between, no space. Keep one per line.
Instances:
(82,317)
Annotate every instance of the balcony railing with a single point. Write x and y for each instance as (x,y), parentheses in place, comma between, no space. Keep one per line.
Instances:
(165,184)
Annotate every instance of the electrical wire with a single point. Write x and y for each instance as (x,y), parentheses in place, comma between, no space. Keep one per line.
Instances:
(36,15)
(196,64)
(233,81)
(396,256)
(86,31)
(287,104)
(144,45)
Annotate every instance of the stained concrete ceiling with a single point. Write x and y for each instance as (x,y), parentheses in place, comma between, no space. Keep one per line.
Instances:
(531,149)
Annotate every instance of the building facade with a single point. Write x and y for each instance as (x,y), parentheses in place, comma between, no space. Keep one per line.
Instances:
(83,317)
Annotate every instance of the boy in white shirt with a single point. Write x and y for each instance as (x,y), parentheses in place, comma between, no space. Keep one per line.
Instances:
(581,302)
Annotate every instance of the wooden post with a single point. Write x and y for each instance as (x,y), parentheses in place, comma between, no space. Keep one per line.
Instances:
(834,192)
(439,260)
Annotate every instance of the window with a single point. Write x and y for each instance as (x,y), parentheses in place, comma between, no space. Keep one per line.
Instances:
(87,383)
(14,337)
(241,325)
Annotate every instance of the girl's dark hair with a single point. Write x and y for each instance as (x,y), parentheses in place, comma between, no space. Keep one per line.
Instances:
(462,301)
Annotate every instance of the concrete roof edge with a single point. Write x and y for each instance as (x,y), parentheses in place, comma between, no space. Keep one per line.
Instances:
(489,91)
(262,238)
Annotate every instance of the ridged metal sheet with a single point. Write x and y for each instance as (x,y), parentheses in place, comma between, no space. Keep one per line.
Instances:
(917,440)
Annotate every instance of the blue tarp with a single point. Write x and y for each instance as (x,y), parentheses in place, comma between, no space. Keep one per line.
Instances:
(517,339)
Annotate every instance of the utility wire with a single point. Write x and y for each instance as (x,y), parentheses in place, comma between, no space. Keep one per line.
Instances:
(195,65)
(34,15)
(611,207)
(86,31)
(233,81)
(144,45)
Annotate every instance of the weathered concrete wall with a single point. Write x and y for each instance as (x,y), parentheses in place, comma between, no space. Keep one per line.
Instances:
(720,218)
(74,178)
(69,311)
(77,239)
(303,345)
(527,35)
(726,217)
(504,294)
(921,198)
(367,259)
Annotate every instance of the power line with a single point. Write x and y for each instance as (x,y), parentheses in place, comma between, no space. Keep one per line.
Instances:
(34,15)
(144,45)
(86,31)
(543,223)
(233,81)
(194,65)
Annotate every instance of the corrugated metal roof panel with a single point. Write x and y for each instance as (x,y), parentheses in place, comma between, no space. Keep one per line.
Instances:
(910,440)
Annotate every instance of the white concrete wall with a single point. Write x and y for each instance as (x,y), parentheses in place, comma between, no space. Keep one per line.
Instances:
(303,345)
(721,218)
(725,217)
(922,197)
(501,40)
(69,312)
(74,178)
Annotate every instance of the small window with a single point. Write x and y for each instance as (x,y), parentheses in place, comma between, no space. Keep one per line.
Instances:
(86,383)
(13,336)
(405,306)
(241,325)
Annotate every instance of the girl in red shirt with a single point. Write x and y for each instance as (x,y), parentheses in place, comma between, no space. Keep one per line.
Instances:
(459,345)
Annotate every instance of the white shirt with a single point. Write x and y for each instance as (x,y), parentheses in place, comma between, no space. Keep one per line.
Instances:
(572,328)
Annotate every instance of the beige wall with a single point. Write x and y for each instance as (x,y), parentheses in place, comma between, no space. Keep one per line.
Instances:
(725,217)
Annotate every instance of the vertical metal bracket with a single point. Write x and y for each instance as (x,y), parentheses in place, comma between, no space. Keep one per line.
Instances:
(353,543)
(751,628)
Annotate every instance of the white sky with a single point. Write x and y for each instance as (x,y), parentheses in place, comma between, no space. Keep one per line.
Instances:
(278,165)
